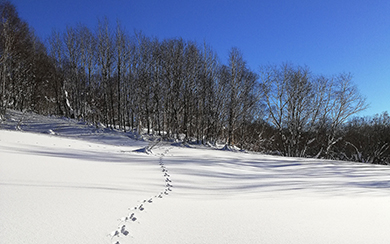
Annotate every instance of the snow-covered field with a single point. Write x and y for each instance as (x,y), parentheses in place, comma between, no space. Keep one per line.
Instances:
(62,181)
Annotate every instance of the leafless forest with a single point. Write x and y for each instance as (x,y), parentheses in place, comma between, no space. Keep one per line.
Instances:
(180,89)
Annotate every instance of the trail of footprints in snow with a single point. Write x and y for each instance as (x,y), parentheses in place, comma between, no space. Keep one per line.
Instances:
(122,229)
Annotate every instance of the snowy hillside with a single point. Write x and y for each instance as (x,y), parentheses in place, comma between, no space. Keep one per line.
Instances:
(62,181)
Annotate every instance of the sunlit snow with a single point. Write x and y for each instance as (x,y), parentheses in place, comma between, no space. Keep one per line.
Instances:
(62,181)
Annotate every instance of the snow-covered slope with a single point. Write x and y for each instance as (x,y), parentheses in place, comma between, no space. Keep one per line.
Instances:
(62,181)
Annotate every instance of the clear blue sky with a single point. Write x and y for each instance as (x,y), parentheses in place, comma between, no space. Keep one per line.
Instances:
(329,36)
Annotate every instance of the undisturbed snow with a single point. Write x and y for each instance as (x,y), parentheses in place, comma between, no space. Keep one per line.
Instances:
(62,181)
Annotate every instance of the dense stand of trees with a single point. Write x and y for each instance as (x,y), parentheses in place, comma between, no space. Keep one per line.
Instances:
(26,71)
(179,89)
(173,87)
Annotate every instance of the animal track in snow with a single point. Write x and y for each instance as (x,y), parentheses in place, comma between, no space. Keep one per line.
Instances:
(122,230)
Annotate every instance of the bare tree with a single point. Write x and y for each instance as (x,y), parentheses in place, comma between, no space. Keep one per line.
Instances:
(122,59)
(56,52)
(345,102)
(72,87)
(240,83)
(87,82)
(300,106)
(209,105)
(105,66)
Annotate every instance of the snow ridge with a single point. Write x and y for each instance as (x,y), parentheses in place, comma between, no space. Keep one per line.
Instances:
(132,217)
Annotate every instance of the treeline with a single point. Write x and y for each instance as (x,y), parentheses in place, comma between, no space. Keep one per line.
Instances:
(179,89)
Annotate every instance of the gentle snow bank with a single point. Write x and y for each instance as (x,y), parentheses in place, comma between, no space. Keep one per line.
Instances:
(74,183)
(58,190)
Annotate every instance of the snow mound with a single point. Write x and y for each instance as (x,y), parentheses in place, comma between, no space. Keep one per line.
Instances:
(143,150)
(232,148)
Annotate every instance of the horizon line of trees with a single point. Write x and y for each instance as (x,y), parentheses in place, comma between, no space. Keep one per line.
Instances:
(179,89)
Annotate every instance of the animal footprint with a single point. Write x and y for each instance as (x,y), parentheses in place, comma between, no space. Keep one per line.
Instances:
(141,207)
(132,217)
(124,231)
(113,234)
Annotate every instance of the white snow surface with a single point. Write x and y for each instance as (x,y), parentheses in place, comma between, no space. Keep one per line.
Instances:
(63,181)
